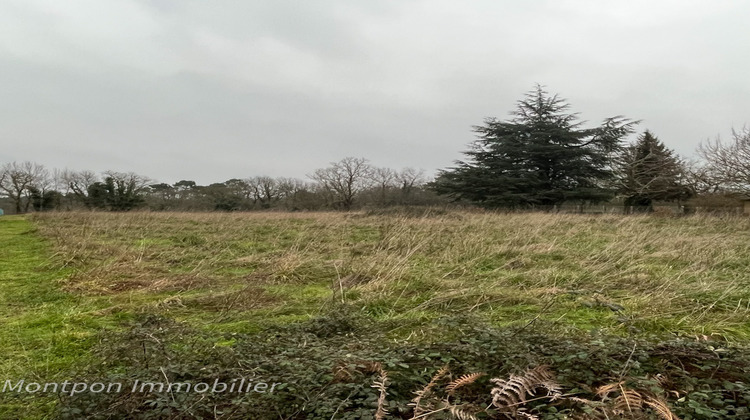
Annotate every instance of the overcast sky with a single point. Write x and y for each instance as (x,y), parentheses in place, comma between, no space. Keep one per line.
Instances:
(213,90)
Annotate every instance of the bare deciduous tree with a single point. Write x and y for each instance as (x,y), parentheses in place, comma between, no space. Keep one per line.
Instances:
(409,178)
(701,178)
(296,194)
(79,182)
(344,180)
(17,180)
(383,179)
(728,163)
(265,190)
(289,186)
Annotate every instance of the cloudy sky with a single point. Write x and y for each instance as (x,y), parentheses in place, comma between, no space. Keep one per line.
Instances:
(212,90)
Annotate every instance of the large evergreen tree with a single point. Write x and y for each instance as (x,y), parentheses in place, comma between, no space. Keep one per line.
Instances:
(541,157)
(649,171)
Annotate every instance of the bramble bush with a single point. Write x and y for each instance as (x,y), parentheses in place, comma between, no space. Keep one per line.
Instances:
(328,365)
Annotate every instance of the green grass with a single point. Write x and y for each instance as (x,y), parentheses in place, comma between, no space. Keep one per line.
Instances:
(66,277)
(44,331)
(681,277)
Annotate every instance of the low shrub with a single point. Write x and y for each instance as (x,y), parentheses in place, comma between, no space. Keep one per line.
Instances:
(343,365)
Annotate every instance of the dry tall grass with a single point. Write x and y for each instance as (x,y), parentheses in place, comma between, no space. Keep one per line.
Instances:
(624,274)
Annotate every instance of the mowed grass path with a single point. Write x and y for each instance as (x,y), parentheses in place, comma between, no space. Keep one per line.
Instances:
(44,331)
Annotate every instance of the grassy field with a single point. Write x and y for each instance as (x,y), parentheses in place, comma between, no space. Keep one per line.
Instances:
(80,291)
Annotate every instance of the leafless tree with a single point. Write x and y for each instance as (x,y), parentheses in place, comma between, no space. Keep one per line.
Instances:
(344,180)
(57,182)
(287,187)
(702,178)
(729,162)
(17,180)
(265,190)
(408,179)
(78,182)
(383,179)
(296,194)
(129,180)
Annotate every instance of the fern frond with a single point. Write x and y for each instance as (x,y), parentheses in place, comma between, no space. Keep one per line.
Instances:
(424,392)
(554,390)
(463,381)
(604,390)
(661,408)
(369,366)
(628,401)
(508,394)
(540,374)
(459,413)
(585,401)
(381,384)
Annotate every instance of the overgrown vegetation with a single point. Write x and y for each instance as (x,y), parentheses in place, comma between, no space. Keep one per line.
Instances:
(332,304)
(340,365)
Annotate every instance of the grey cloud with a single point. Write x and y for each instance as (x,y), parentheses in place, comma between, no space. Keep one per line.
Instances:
(215,90)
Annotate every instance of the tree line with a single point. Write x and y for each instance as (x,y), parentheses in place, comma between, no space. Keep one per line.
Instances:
(344,185)
(542,157)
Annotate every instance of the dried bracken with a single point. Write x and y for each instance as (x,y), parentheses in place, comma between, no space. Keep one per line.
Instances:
(508,395)
(604,390)
(428,400)
(627,402)
(347,371)
(661,408)
(381,384)
(460,413)
(463,381)
(633,402)
(425,392)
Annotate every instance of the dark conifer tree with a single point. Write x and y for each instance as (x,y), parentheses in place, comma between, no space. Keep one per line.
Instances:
(541,157)
(649,171)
